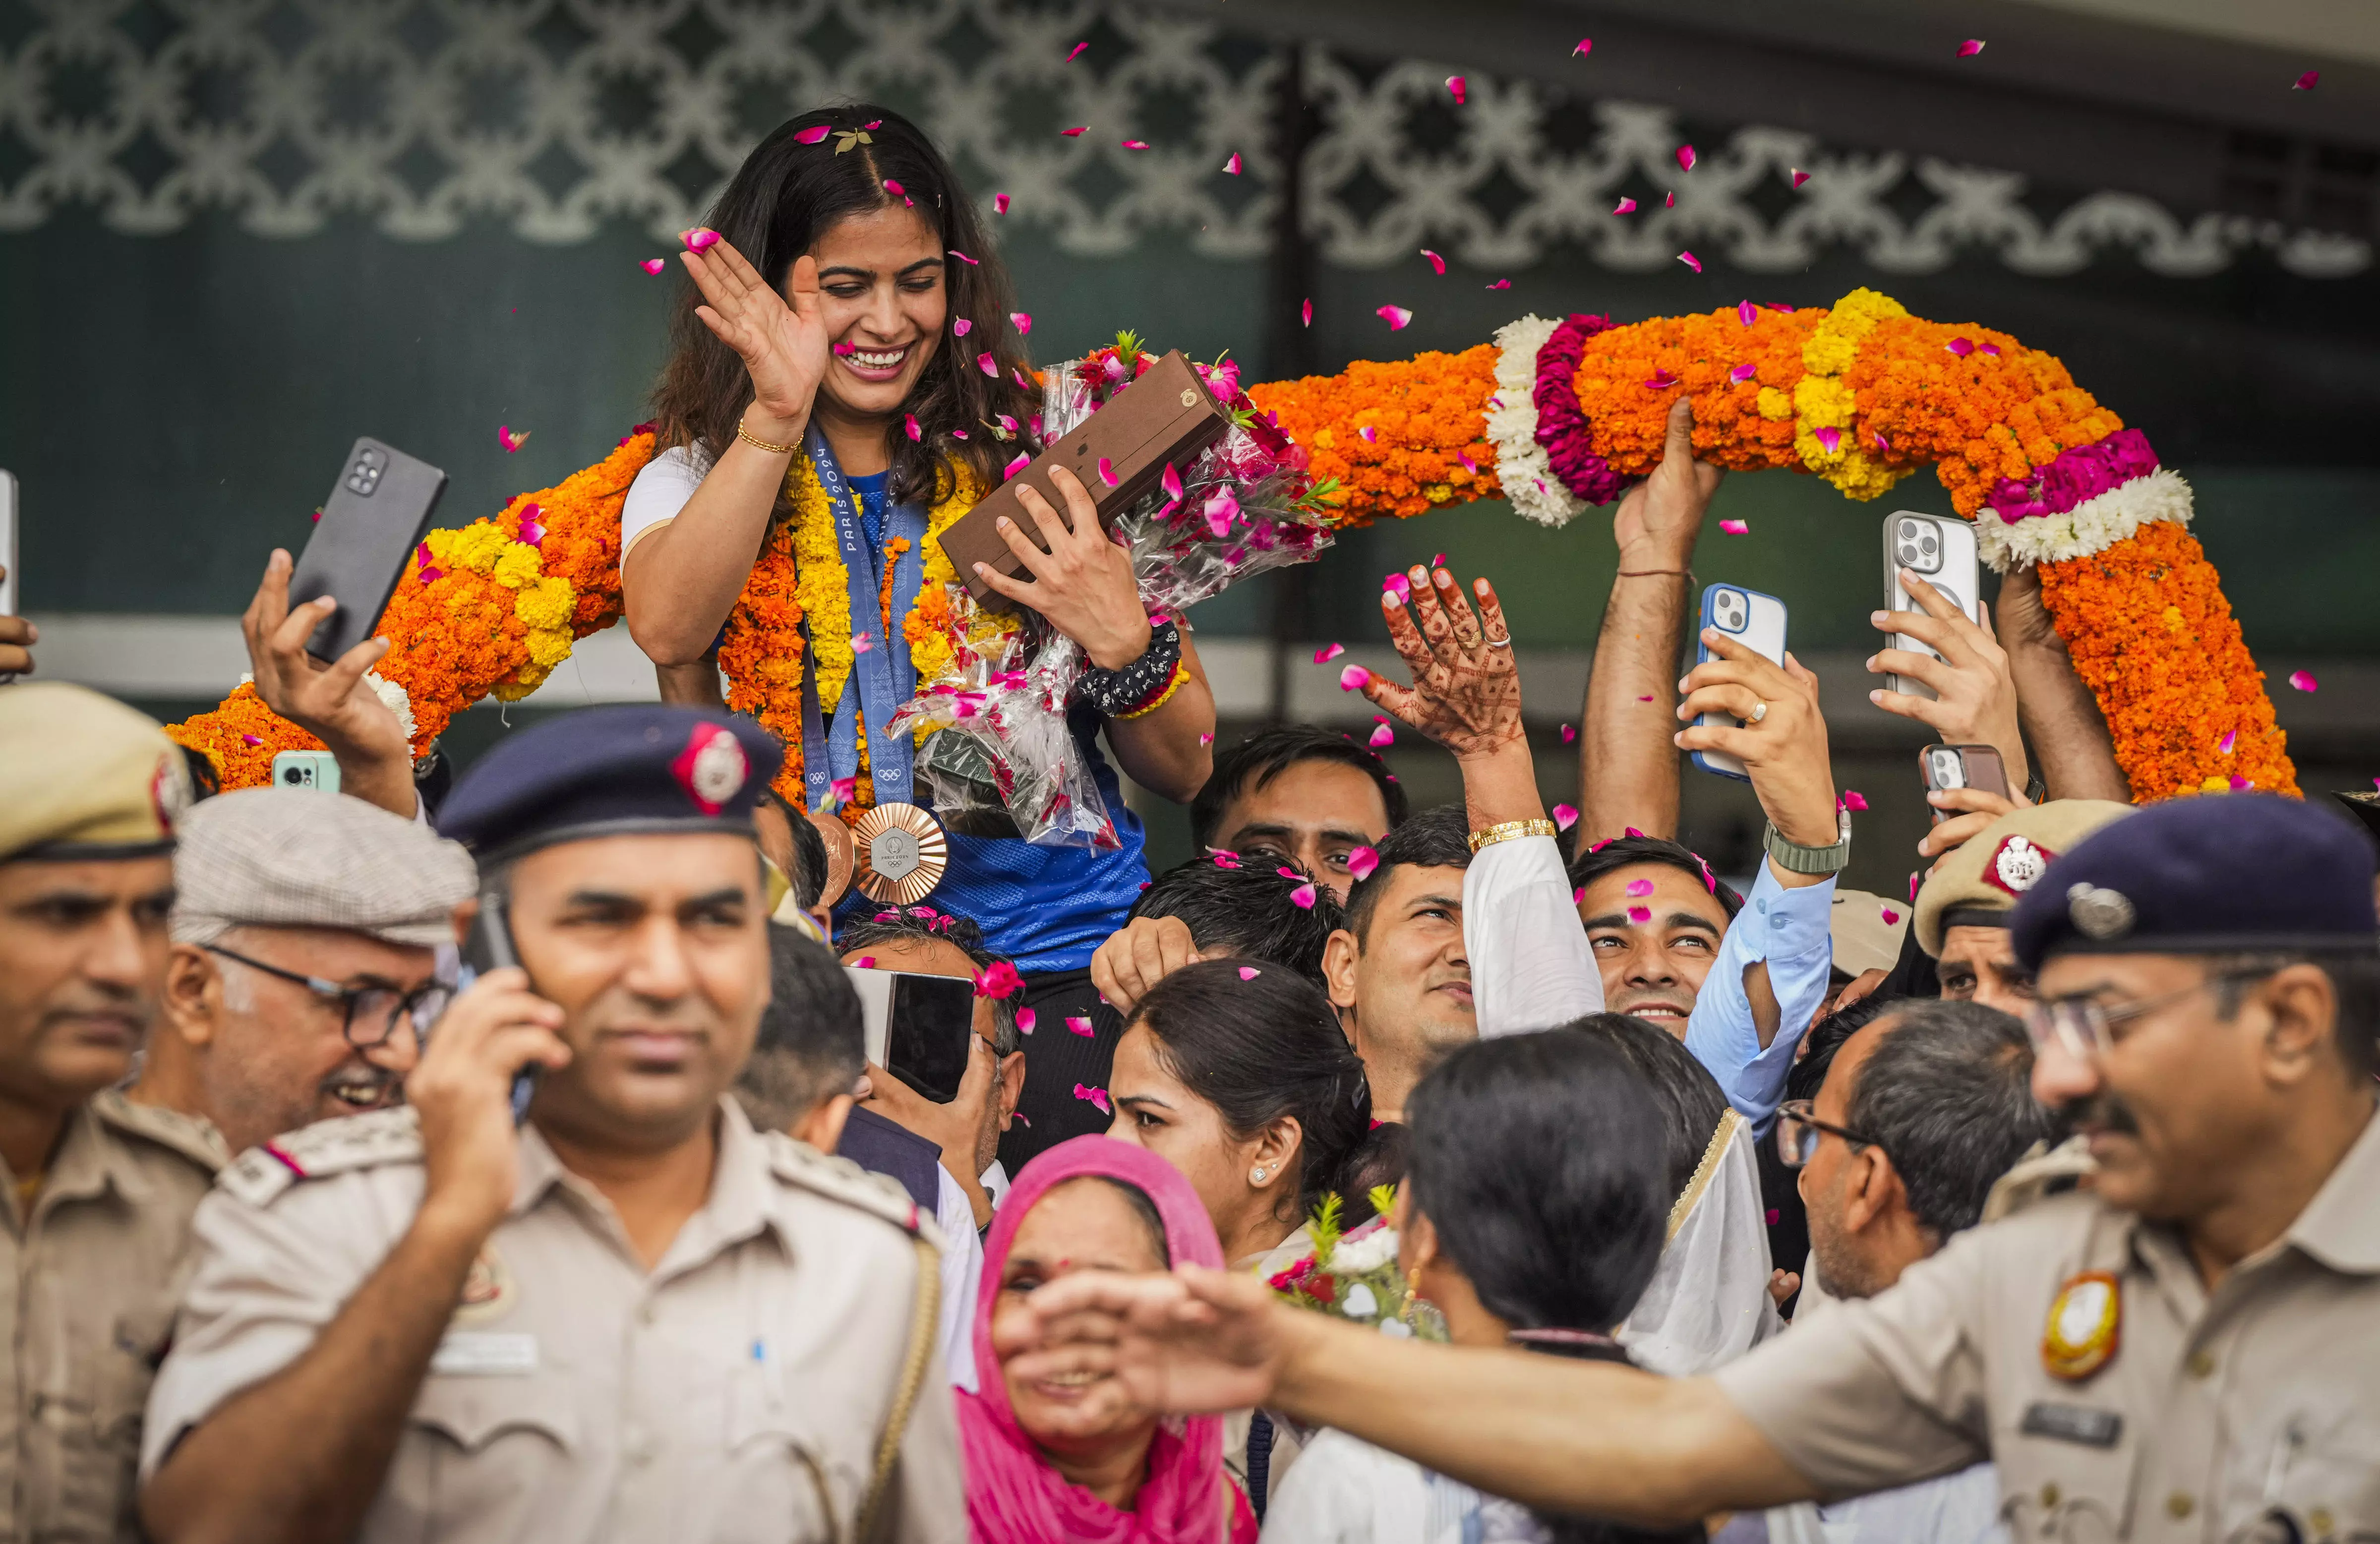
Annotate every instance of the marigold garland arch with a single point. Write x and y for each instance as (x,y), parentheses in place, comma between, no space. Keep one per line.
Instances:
(1553,415)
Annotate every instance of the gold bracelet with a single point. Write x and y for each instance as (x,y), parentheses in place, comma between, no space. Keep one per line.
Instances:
(1507,831)
(758,443)
(1181,673)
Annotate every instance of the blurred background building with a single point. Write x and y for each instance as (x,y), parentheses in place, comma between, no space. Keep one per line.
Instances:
(235,234)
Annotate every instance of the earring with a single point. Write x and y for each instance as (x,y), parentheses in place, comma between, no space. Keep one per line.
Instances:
(1412,1297)
(1257,1176)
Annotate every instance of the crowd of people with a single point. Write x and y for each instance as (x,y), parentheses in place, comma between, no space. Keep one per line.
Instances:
(503,1155)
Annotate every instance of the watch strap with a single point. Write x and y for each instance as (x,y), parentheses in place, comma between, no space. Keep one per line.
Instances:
(1796,858)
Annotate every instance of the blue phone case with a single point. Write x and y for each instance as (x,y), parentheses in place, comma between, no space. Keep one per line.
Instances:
(1705,760)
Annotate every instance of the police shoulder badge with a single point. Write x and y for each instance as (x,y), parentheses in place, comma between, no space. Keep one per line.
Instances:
(2085,1324)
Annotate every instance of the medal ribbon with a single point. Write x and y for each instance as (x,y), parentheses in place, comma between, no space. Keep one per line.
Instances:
(884,677)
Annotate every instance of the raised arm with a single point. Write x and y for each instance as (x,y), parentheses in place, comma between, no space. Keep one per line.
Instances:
(2069,735)
(1628,774)
(331,703)
(679,582)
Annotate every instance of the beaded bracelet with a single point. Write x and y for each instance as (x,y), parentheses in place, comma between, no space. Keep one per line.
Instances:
(1173,685)
(1140,686)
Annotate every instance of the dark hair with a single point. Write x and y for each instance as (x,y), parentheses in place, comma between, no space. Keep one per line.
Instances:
(1268,753)
(897,923)
(2355,981)
(1260,1048)
(786,195)
(1685,1093)
(810,1046)
(1247,911)
(1808,1074)
(1144,1211)
(1590,864)
(1379,1160)
(808,878)
(1948,1094)
(1438,838)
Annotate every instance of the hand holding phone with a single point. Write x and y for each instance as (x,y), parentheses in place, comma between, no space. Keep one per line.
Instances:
(1754,620)
(1942,552)
(488,949)
(332,702)
(1762,714)
(462,1090)
(921,1028)
(369,528)
(16,633)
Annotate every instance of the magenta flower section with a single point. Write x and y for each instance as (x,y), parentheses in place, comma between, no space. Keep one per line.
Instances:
(1561,423)
(2080,473)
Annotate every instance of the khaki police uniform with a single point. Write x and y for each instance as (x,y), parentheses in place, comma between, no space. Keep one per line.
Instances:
(739,1390)
(2249,1414)
(92,1278)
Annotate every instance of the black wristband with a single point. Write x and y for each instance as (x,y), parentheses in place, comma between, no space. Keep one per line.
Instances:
(1117,692)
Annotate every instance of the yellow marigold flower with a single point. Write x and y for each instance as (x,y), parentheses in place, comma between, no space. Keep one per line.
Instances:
(1822,403)
(517,568)
(547,605)
(475,546)
(1775,405)
(548,647)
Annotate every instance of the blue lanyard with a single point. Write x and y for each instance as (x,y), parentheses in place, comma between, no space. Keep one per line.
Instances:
(882,678)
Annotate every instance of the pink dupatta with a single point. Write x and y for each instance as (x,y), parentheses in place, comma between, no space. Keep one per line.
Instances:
(1014,1496)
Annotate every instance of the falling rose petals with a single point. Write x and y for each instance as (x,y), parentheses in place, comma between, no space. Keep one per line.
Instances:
(1800,177)
(1854,800)
(1368,434)
(1226,861)
(1136,144)
(1970,48)
(510,440)
(1000,203)
(1076,132)
(1626,206)
(1565,817)
(1669,201)
(1076,53)
(1735,527)
(964,258)
(1690,260)
(652,265)
(1096,1096)
(813,135)
(1021,320)
(1395,316)
(1959,346)
(1382,737)
(842,790)
(895,188)
(1746,312)
(1890,916)
(1249,973)
(1876,438)
(1206,739)
(1303,897)
(1398,583)
(1023,460)
(1363,860)
(532,531)
(1025,1019)
(843,350)
(998,979)
(2307,82)
(1741,373)
(1991,348)
(2303,680)
(910,426)
(1578,896)
(1081,1026)
(961,327)
(1468,463)
(1685,158)
(1640,915)
(1454,84)
(258,739)
(2225,744)
(698,239)
(1355,678)
(1232,167)
(1172,482)
(958,433)
(1325,655)
(1437,562)
(1640,887)
(1016,373)
(1569,733)
(988,365)
(1829,438)
(1501,284)
(1585,46)
(1437,262)
(1107,471)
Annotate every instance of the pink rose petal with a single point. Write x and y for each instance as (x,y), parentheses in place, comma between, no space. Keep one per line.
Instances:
(1081,1026)
(1585,46)
(842,790)
(1303,897)
(1669,201)
(1331,651)
(2303,680)
(1735,527)
(971,262)
(1076,53)
(1226,861)
(988,365)
(1023,460)
(2225,745)
(961,326)
(1096,1096)
(1991,348)
(1368,434)
(998,979)
(1232,167)
(1398,583)
(1136,144)
(1690,260)
(1025,1019)
(1578,896)
(1395,316)
(1305,313)
(251,739)
(1640,915)
(1876,438)
(1569,733)
(699,239)
(1501,284)
(1363,860)
(1206,739)
(1107,471)
(1355,678)
(813,134)
(1970,48)
(1076,132)
(2307,82)
(510,440)
(1000,203)
(652,265)
(958,433)
(1565,817)
(1746,312)
(1827,439)
(1800,177)
(1436,262)
(1454,84)
(1382,736)
(1632,831)
(1685,158)
(1640,887)
(1222,506)
(1890,916)
(1854,800)
(1172,482)
(532,531)
(843,350)
(1741,373)
(1626,206)
(1644,700)
(1249,973)
(1959,346)
(1021,320)
(895,188)
(2239,783)
(909,426)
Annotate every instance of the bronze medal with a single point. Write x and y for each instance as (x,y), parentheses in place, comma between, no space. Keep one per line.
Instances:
(902,854)
(2085,1326)
(842,854)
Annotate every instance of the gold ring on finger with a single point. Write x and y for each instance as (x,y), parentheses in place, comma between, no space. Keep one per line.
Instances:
(1759,711)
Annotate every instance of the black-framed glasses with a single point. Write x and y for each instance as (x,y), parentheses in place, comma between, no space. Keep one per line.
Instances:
(1798,1129)
(2083,1025)
(368,1014)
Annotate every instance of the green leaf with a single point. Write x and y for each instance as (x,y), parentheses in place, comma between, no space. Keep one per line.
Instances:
(1326,1228)
(1383,1199)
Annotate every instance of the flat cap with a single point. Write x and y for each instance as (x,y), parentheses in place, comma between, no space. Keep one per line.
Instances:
(1866,930)
(1979,885)
(611,771)
(82,776)
(297,857)
(2208,874)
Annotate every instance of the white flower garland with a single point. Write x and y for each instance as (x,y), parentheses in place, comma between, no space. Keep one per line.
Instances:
(2090,527)
(1522,465)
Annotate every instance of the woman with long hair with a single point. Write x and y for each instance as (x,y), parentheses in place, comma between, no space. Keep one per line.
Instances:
(1090,1205)
(1532,1216)
(845,379)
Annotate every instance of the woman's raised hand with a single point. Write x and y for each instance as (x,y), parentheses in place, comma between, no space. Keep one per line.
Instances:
(1466,691)
(784,346)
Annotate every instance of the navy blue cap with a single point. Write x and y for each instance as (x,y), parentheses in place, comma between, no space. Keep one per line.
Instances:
(2208,874)
(611,771)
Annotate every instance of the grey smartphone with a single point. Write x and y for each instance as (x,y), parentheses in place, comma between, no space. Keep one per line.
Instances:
(490,947)
(377,513)
(1940,551)
(1963,766)
(916,1027)
(9,583)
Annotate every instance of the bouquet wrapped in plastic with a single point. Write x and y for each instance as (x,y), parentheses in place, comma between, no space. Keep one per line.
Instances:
(1002,754)
(1354,1275)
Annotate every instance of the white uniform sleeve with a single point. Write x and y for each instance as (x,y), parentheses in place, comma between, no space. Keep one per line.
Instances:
(661,490)
(962,1273)
(1531,965)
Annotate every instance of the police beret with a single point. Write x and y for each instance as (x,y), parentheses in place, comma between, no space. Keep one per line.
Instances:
(82,776)
(1980,883)
(2207,874)
(297,857)
(611,771)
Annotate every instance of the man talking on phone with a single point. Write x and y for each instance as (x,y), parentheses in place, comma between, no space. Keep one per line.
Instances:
(631,1317)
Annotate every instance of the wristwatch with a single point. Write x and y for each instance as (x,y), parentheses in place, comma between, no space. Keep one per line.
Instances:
(1799,859)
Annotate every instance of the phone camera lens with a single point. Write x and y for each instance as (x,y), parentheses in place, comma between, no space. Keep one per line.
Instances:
(1928,544)
(292,775)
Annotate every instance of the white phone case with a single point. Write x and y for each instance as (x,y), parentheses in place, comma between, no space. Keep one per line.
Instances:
(9,588)
(1947,562)
(1764,632)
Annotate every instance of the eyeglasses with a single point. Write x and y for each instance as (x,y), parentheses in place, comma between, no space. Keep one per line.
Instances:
(1798,1130)
(368,1014)
(2083,1025)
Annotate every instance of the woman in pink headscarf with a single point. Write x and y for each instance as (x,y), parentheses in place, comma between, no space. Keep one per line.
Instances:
(1090,1204)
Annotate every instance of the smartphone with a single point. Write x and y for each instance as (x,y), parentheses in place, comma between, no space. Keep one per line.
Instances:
(367,530)
(306,768)
(8,589)
(1942,552)
(917,1027)
(1756,620)
(490,947)
(1963,766)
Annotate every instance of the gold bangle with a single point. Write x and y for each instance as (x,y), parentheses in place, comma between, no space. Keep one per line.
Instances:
(1507,831)
(760,444)
(1181,673)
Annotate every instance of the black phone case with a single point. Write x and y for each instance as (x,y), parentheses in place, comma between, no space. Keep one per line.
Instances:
(490,947)
(375,515)
(927,1034)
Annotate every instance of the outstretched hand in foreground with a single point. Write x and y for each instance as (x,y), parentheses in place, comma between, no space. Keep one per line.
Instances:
(1190,1343)
(1466,692)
